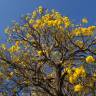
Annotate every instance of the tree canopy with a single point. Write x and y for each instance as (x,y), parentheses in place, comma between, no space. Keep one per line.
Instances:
(48,54)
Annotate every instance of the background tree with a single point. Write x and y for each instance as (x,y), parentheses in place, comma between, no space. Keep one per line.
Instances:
(47,54)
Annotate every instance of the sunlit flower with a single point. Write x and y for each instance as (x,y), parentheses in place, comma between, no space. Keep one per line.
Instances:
(80,71)
(79,43)
(34,14)
(68,70)
(84,20)
(73,78)
(14,48)
(31,21)
(40,9)
(78,88)
(90,59)
(40,53)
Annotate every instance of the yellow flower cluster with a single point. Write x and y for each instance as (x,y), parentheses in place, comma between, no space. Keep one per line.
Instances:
(78,88)
(78,72)
(68,70)
(17,43)
(31,21)
(40,53)
(84,31)
(34,14)
(66,22)
(53,19)
(14,48)
(40,9)
(72,79)
(84,20)
(79,43)
(90,59)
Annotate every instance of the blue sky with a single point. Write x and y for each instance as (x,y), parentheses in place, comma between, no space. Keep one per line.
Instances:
(75,9)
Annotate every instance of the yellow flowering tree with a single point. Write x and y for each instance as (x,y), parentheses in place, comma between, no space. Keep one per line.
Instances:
(49,54)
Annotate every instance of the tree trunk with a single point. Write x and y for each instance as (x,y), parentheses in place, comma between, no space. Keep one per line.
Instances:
(59,81)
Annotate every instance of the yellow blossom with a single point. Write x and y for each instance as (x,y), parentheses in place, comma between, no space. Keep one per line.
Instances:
(80,43)
(66,22)
(40,53)
(50,23)
(84,31)
(34,14)
(36,26)
(17,43)
(26,25)
(78,88)
(73,78)
(91,28)
(31,21)
(68,70)
(14,48)
(40,9)
(80,71)
(84,20)
(90,59)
